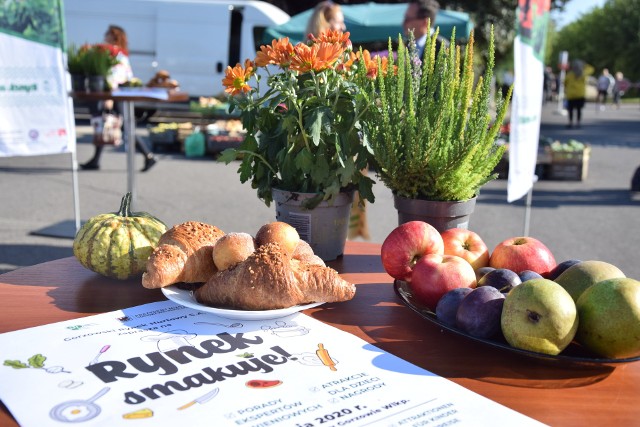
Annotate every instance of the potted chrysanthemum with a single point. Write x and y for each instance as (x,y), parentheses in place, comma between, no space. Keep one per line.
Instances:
(304,141)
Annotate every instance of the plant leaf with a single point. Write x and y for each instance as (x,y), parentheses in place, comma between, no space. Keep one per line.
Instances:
(228,155)
(37,361)
(15,364)
(317,118)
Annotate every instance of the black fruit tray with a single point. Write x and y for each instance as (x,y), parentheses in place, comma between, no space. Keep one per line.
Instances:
(574,354)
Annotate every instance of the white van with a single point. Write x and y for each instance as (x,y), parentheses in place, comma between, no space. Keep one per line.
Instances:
(194,40)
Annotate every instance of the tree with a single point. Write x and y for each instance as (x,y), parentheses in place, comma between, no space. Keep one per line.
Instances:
(607,37)
(501,14)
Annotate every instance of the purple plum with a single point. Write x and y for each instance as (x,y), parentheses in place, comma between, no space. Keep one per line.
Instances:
(447,306)
(480,272)
(558,269)
(479,312)
(528,275)
(501,278)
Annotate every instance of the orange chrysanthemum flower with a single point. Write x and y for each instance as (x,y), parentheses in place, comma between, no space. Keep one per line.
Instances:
(279,53)
(316,57)
(385,64)
(236,78)
(371,64)
(333,36)
(346,66)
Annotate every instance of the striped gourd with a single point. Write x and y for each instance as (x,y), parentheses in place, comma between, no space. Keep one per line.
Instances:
(118,244)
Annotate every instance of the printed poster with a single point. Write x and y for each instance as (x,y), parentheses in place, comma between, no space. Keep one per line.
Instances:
(526,105)
(36,112)
(161,364)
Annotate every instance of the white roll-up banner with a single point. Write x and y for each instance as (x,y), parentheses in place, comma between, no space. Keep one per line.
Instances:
(526,106)
(36,112)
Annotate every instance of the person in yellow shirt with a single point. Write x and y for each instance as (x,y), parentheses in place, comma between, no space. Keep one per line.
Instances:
(575,90)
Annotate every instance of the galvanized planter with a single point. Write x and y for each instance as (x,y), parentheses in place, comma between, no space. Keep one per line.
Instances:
(440,214)
(324,227)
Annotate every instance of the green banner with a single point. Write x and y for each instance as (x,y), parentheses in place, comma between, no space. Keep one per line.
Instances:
(36,20)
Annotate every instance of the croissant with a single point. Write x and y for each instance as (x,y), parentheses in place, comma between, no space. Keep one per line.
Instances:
(183,254)
(269,279)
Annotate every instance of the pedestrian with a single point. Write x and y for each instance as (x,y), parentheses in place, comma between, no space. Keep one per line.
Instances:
(327,15)
(575,89)
(618,88)
(605,84)
(420,17)
(548,85)
(120,73)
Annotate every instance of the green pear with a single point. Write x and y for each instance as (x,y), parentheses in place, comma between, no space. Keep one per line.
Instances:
(580,276)
(539,315)
(609,314)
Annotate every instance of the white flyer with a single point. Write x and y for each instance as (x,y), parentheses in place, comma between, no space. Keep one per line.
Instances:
(143,92)
(162,363)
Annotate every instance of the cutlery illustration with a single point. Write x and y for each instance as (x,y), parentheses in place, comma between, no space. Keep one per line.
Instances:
(202,399)
(102,350)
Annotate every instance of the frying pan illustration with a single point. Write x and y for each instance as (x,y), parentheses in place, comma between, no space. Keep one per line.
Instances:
(76,411)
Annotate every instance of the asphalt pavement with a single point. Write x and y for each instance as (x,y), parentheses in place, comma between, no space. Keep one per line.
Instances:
(597,218)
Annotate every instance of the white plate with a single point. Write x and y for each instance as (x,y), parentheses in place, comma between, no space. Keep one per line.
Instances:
(186,298)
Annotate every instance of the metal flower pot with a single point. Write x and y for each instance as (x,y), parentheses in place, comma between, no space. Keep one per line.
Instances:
(78,83)
(324,227)
(96,83)
(440,214)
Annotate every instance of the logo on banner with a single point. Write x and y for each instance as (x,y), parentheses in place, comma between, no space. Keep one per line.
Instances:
(33,134)
(533,17)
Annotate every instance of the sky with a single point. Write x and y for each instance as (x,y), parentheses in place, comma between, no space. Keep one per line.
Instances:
(574,9)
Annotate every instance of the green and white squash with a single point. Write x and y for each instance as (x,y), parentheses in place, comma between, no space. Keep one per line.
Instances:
(118,244)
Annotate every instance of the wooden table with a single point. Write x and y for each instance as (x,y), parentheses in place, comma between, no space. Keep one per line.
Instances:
(556,395)
(128,102)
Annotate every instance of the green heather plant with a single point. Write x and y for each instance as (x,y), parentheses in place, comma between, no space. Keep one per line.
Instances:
(430,127)
(97,60)
(75,63)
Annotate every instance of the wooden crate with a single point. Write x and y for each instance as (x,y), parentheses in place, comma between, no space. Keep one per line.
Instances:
(569,166)
(542,162)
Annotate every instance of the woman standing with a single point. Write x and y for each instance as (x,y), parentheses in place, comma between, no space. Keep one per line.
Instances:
(575,89)
(116,39)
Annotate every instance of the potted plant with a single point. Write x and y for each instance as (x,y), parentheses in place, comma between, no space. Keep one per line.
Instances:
(97,60)
(304,142)
(431,130)
(75,66)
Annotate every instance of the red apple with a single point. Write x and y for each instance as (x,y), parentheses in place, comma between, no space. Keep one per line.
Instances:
(467,245)
(406,244)
(434,275)
(523,253)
